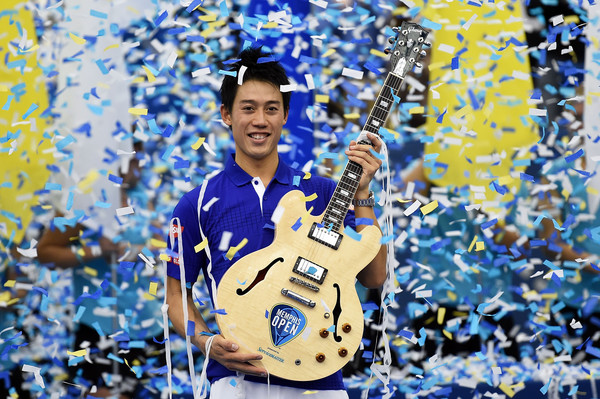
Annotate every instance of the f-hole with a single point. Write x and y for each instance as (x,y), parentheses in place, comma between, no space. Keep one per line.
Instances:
(260,276)
(337,310)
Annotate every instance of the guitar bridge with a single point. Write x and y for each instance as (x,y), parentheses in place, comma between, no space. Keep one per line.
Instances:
(325,236)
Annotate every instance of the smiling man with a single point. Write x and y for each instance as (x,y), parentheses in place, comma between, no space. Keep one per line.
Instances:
(238,203)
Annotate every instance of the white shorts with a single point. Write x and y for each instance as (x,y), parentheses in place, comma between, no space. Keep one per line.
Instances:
(238,388)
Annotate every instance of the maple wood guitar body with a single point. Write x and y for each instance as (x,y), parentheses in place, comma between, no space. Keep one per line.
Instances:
(314,328)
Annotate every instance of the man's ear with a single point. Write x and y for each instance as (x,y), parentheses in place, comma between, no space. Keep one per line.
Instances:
(225,115)
(285,116)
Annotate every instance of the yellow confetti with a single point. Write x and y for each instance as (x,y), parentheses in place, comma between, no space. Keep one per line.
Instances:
(592,190)
(138,111)
(31,49)
(306,176)
(77,39)
(307,214)
(198,143)
(85,185)
(158,243)
(164,257)
(448,334)
(148,297)
(153,287)
(233,250)
(506,389)
(79,353)
(149,75)
(201,246)
(505,180)
(309,392)
(378,53)
(270,25)
(479,246)
(10,283)
(3,88)
(91,271)
(322,98)
(328,53)
(472,243)
(116,45)
(426,209)
(416,110)
(451,295)
(311,197)
(403,201)
(440,315)
(354,115)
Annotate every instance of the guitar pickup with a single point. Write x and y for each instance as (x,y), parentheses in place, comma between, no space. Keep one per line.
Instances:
(310,270)
(325,236)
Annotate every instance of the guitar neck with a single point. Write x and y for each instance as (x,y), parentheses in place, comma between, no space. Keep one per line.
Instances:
(348,184)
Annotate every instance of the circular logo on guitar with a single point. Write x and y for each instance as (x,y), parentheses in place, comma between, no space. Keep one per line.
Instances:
(286,323)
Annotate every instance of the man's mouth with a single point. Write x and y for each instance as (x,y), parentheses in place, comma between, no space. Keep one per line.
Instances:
(258,136)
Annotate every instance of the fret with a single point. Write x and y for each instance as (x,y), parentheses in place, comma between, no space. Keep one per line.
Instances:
(350,179)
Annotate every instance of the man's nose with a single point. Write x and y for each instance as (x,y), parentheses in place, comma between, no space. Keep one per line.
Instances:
(259,118)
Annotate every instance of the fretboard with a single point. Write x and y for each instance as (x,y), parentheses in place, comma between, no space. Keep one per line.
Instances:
(346,188)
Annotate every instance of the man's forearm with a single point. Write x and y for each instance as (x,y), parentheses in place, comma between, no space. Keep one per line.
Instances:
(176,315)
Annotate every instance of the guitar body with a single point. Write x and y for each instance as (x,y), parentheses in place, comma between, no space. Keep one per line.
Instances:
(313,329)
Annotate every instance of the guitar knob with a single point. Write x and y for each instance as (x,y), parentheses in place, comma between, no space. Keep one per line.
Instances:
(346,328)
(323,333)
(320,357)
(343,352)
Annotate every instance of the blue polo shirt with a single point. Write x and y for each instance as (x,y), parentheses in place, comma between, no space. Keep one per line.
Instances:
(232,210)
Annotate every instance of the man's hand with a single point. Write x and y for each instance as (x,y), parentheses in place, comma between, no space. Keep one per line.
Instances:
(226,352)
(362,155)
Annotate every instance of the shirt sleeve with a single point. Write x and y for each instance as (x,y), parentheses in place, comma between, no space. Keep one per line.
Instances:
(187,214)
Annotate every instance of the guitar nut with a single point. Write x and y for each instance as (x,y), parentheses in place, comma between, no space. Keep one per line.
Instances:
(346,328)
(323,333)
(320,357)
(343,352)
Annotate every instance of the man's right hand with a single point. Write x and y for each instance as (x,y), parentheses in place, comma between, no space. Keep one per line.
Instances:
(227,353)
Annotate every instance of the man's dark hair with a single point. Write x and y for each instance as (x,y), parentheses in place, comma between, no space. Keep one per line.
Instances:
(262,67)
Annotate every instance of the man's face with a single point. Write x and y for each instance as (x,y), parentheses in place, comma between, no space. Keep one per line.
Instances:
(256,119)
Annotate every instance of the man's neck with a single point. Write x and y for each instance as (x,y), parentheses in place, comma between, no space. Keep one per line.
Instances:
(264,168)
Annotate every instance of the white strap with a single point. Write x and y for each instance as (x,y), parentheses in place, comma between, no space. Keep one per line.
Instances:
(186,317)
(203,378)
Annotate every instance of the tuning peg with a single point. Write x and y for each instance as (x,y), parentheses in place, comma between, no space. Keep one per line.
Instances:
(418,65)
(395,29)
(387,50)
(428,44)
(391,40)
(423,53)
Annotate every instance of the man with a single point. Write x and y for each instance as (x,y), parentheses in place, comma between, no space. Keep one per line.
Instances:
(238,203)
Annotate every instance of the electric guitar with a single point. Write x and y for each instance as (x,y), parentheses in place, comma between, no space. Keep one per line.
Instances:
(295,301)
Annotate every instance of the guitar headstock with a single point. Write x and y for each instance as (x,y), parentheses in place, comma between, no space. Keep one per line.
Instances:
(406,47)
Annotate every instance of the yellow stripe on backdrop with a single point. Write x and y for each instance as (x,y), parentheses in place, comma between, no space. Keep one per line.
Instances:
(480,83)
(23,98)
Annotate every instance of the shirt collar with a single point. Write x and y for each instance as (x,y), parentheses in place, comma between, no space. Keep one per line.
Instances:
(283,175)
